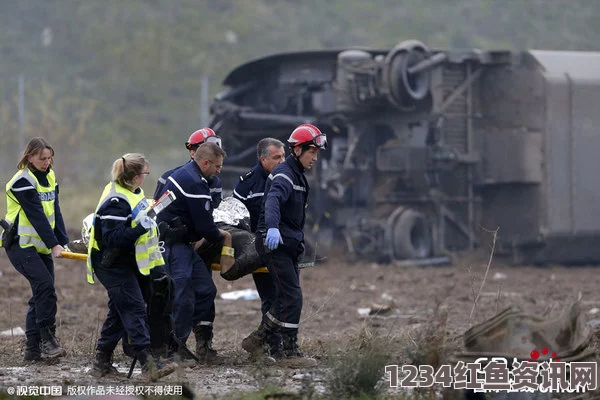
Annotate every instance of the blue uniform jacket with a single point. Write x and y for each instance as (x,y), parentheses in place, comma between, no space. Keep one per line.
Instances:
(250,190)
(113,231)
(285,201)
(29,199)
(193,204)
(214,183)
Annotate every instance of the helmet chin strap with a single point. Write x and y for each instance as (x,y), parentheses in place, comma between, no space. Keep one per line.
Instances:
(297,157)
(293,150)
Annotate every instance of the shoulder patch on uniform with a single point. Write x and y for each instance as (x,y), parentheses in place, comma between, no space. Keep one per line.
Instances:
(247,175)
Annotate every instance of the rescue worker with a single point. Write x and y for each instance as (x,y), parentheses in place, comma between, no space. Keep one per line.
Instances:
(280,240)
(204,135)
(186,221)
(250,190)
(38,234)
(124,254)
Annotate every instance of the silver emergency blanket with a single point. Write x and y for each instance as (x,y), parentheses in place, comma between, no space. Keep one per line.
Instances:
(231,211)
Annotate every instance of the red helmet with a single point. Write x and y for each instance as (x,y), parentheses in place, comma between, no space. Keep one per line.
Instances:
(201,136)
(308,135)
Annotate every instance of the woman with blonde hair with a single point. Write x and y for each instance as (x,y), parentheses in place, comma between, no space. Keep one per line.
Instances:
(123,252)
(38,234)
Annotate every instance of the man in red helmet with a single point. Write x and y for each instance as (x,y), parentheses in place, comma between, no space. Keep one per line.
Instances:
(280,240)
(193,288)
(174,231)
(250,191)
(204,135)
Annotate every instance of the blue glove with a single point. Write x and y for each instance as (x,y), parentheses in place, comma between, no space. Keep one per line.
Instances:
(273,238)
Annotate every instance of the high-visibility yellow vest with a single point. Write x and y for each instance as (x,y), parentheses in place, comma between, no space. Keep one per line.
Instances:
(28,236)
(147,251)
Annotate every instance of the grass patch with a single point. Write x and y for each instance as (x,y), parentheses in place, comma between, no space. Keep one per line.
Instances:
(356,372)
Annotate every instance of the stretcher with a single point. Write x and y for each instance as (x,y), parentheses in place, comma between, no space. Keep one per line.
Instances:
(83,257)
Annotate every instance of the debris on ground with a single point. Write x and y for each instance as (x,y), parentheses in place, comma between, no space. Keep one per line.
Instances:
(245,294)
(18,331)
(514,334)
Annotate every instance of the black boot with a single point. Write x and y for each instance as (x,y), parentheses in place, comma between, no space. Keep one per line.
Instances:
(160,352)
(255,343)
(178,352)
(152,368)
(264,342)
(49,346)
(32,349)
(204,350)
(103,363)
(290,355)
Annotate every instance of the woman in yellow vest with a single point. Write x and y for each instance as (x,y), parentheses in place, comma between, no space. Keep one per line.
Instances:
(123,253)
(38,234)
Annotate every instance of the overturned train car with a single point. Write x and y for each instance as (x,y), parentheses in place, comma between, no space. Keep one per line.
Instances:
(431,150)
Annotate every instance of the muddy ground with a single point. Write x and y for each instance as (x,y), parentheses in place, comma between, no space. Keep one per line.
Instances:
(334,291)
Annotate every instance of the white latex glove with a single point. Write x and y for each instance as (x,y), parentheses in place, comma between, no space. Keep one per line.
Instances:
(144,220)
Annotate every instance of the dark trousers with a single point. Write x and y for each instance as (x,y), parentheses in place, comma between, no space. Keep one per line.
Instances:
(266,290)
(38,269)
(127,317)
(195,291)
(282,264)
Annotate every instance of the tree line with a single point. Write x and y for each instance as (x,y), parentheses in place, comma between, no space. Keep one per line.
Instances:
(106,77)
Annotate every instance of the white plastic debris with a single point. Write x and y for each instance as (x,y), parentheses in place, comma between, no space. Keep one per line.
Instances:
(246,294)
(300,376)
(364,312)
(375,309)
(387,297)
(594,323)
(499,276)
(594,311)
(18,331)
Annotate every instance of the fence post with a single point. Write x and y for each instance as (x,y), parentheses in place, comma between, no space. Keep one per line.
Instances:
(21,106)
(204,100)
